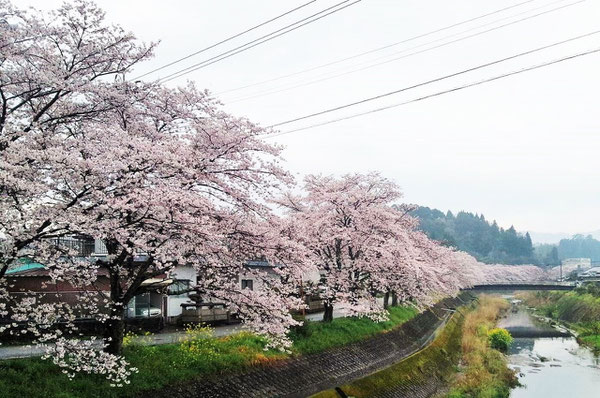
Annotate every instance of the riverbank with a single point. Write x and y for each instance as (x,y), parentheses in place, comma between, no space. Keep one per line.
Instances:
(458,363)
(549,366)
(483,370)
(421,375)
(201,355)
(579,310)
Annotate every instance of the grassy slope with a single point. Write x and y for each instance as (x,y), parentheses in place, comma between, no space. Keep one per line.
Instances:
(579,309)
(162,365)
(438,358)
(484,370)
(318,336)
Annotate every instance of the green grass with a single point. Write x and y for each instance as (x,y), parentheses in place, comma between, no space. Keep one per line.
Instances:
(591,341)
(318,336)
(579,310)
(164,365)
(484,372)
(158,366)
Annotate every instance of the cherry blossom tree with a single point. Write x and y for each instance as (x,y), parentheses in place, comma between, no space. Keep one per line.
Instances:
(363,246)
(436,273)
(479,273)
(174,181)
(58,70)
(162,176)
(55,73)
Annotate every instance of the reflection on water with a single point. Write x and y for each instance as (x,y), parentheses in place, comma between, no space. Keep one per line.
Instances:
(554,367)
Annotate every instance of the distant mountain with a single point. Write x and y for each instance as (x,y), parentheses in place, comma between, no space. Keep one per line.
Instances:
(548,237)
(472,233)
(555,237)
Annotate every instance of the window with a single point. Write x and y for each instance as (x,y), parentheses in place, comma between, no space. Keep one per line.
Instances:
(141,306)
(180,287)
(248,284)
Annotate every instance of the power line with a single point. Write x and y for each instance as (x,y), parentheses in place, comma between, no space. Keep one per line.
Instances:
(462,72)
(225,40)
(379,48)
(260,40)
(266,93)
(437,94)
(257,42)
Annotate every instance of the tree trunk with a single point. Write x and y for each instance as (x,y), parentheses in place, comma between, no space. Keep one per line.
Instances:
(386,300)
(115,331)
(394,300)
(328,314)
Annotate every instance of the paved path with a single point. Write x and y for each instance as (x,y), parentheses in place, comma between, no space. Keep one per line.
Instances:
(165,337)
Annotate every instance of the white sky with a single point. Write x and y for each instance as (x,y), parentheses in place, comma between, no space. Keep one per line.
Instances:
(522,150)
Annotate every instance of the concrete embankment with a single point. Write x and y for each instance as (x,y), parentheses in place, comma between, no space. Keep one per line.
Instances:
(424,374)
(305,375)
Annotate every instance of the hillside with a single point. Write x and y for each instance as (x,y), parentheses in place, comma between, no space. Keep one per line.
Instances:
(473,234)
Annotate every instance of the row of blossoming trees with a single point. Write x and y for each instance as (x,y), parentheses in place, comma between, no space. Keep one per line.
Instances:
(164,177)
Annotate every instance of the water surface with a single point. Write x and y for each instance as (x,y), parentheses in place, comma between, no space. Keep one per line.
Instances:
(554,367)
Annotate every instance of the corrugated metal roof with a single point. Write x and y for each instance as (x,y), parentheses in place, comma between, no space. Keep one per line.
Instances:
(41,270)
(26,267)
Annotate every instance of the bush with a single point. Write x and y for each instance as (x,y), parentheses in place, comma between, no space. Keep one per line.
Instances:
(500,339)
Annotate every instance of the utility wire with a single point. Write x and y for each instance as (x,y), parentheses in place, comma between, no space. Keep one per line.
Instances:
(266,93)
(260,40)
(462,72)
(225,40)
(377,49)
(437,94)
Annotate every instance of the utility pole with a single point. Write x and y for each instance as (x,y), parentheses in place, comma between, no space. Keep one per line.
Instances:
(561,278)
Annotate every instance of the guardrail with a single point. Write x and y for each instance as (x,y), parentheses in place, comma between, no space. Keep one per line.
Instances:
(526,286)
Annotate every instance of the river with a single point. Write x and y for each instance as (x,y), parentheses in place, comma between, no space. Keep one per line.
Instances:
(554,367)
(550,367)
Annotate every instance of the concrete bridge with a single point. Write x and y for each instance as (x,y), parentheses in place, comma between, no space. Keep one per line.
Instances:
(511,286)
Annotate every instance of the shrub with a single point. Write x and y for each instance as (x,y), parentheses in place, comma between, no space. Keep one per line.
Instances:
(500,339)
(131,339)
(198,343)
(595,327)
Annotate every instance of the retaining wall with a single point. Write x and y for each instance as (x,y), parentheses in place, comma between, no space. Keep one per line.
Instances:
(304,375)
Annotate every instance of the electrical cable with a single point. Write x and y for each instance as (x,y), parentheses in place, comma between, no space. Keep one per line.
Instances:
(256,42)
(225,40)
(462,72)
(498,77)
(369,66)
(377,49)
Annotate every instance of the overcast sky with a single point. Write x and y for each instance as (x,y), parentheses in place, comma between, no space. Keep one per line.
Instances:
(522,150)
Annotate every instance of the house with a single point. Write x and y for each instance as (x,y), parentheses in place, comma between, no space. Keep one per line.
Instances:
(33,279)
(184,278)
(165,300)
(145,310)
(592,273)
(576,264)
(248,281)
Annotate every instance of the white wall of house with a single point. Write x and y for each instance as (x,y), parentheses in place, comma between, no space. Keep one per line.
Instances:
(311,276)
(580,262)
(247,280)
(174,302)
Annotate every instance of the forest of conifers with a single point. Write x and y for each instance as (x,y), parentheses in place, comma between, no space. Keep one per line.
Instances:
(474,234)
(492,244)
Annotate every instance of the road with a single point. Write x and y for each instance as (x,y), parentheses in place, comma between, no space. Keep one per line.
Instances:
(168,336)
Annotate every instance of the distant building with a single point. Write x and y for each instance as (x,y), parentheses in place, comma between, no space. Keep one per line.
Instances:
(579,262)
(577,265)
(591,273)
